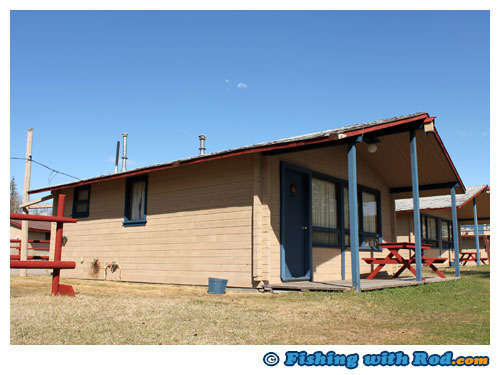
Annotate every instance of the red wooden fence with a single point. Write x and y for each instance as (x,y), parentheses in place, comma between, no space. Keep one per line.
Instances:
(56,265)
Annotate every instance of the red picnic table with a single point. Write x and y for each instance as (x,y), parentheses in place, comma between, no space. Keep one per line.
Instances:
(394,257)
(470,256)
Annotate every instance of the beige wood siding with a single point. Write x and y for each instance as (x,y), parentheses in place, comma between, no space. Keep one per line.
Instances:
(15,232)
(198,226)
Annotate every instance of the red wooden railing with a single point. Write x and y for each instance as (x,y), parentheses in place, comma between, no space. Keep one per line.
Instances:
(56,264)
(16,244)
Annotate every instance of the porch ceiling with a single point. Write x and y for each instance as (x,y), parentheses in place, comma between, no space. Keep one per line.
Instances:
(466,212)
(392,161)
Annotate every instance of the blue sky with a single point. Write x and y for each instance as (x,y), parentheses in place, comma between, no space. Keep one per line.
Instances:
(81,78)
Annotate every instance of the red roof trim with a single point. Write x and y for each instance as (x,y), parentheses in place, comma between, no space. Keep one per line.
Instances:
(471,198)
(436,134)
(18,225)
(385,126)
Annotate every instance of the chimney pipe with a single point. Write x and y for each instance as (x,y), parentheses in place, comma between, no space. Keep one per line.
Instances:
(117,156)
(202,144)
(124,157)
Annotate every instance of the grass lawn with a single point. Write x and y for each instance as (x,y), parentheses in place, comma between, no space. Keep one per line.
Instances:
(451,312)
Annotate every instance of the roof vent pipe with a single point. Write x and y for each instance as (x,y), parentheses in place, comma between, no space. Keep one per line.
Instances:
(202,144)
(117,158)
(124,157)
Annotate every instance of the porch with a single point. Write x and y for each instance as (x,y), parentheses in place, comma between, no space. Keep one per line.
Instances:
(346,285)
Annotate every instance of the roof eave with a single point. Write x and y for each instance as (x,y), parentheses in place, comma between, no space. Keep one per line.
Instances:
(331,137)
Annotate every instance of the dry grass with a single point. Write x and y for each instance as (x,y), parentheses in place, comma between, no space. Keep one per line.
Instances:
(126,313)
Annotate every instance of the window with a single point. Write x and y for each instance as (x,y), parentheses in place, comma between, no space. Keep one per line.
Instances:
(81,199)
(329,215)
(446,234)
(135,201)
(325,229)
(369,212)
(436,232)
(369,216)
(429,231)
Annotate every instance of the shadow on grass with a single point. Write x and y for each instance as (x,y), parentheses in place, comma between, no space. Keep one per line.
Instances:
(477,272)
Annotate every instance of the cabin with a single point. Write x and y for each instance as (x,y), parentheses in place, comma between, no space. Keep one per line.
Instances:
(299,208)
(473,208)
(38,245)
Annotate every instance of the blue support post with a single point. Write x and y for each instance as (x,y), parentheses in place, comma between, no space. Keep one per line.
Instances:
(416,204)
(353,217)
(342,259)
(455,231)
(342,234)
(476,232)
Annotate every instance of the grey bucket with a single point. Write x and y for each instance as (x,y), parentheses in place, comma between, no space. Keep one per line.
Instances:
(216,286)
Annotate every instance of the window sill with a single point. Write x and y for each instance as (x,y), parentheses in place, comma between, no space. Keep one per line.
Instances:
(367,248)
(79,216)
(134,223)
(361,248)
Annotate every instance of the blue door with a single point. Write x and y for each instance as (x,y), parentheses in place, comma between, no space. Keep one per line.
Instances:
(295,225)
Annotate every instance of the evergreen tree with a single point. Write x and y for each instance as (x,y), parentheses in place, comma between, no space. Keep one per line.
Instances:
(15,199)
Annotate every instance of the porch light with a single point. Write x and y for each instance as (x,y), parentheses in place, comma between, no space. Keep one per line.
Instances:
(372,148)
(372,144)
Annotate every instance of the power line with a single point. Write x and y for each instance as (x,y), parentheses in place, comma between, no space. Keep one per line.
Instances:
(49,168)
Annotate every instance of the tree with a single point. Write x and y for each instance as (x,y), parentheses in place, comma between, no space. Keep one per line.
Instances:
(15,199)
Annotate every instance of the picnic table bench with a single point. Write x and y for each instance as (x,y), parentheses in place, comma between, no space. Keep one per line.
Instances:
(394,257)
(470,256)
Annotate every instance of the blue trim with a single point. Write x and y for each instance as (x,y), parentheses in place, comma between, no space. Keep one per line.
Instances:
(309,226)
(134,223)
(407,189)
(283,270)
(129,181)
(76,190)
(476,232)
(353,217)
(342,232)
(455,231)
(416,205)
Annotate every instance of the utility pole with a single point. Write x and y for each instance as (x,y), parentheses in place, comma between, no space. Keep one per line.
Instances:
(27,181)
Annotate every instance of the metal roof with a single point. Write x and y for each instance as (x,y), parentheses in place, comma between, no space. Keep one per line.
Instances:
(322,136)
(440,201)
(37,226)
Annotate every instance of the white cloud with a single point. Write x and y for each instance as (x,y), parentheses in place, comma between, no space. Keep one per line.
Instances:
(227,81)
(242,85)
(464,133)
